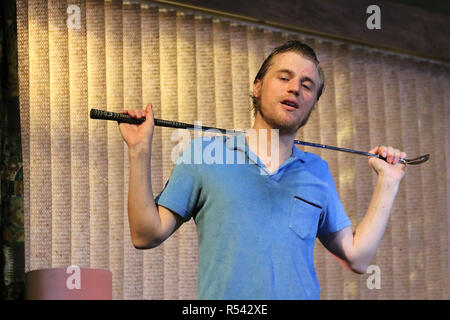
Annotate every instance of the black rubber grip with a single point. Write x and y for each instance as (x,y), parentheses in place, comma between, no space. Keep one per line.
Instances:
(119,117)
(172,124)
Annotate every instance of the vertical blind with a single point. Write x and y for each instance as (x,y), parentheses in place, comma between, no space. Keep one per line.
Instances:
(195,67)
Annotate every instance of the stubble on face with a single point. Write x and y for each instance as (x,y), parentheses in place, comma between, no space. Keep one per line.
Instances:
(285,127)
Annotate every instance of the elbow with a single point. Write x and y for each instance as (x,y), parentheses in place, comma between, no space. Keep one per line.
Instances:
(359,268)
(142,247)
(358,262)
(141,244)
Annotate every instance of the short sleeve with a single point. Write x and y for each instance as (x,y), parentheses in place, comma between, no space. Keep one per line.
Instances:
(182,190)
(334,217)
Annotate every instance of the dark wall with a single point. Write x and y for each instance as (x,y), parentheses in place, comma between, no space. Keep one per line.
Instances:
(404,28)
(11,174)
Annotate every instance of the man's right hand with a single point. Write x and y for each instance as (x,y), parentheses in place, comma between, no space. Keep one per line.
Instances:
(138,135)
(150,224)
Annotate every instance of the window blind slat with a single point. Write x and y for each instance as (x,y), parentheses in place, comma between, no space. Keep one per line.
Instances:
(40,233)
(79,141)
(132,91)
(169,110)
(115,179)
(60,133)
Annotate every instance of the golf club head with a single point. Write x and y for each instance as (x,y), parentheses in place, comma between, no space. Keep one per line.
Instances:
(418,160)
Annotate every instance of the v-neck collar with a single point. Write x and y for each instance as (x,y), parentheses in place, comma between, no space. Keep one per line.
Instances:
(240,144)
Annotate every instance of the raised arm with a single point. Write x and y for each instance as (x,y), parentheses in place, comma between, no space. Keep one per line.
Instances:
(355,250)
(150,224)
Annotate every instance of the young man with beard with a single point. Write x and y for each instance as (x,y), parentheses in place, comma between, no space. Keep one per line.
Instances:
(257,222)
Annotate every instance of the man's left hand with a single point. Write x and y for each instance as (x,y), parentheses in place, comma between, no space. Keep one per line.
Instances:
(391,167)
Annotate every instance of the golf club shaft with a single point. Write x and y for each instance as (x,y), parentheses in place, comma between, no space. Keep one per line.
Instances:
(120,117)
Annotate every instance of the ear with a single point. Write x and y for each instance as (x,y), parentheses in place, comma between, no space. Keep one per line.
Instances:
(257,88)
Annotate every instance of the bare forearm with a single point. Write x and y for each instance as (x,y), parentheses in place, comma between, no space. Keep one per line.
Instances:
(356,250)
(369,232)
(142,211)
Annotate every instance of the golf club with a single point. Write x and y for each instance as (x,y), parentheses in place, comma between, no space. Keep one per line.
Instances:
(120,117)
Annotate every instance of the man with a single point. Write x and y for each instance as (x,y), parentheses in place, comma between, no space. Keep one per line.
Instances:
(257,231)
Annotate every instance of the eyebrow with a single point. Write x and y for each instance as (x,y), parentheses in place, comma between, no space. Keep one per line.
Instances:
(291,73)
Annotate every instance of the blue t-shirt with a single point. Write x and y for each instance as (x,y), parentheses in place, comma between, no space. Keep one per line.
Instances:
(256,230)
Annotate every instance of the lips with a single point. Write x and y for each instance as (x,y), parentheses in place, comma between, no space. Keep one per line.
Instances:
(290,103)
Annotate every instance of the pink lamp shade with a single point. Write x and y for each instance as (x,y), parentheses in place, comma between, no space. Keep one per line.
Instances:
(68,283)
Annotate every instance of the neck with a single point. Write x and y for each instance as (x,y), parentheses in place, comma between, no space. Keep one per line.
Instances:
(264,137)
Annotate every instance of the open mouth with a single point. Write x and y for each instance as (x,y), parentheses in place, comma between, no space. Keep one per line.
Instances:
(289,103)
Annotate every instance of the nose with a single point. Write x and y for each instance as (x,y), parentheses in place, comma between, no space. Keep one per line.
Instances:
(293,87)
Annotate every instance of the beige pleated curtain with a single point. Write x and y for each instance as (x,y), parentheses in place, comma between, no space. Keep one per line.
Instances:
(191,66)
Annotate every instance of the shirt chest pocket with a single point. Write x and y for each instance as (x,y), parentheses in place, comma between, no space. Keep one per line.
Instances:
(304,218)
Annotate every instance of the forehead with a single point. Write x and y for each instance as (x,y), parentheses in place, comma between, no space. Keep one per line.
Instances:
(295,62)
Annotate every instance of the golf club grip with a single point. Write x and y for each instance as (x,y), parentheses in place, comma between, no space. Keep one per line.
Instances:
(120,117)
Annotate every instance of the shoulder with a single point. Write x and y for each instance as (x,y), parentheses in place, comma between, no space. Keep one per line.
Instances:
(201,143)
(193,151)
(317,167)
(314,161)
(312,158)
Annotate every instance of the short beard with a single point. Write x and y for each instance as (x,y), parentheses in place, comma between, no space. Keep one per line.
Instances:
(282,127)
